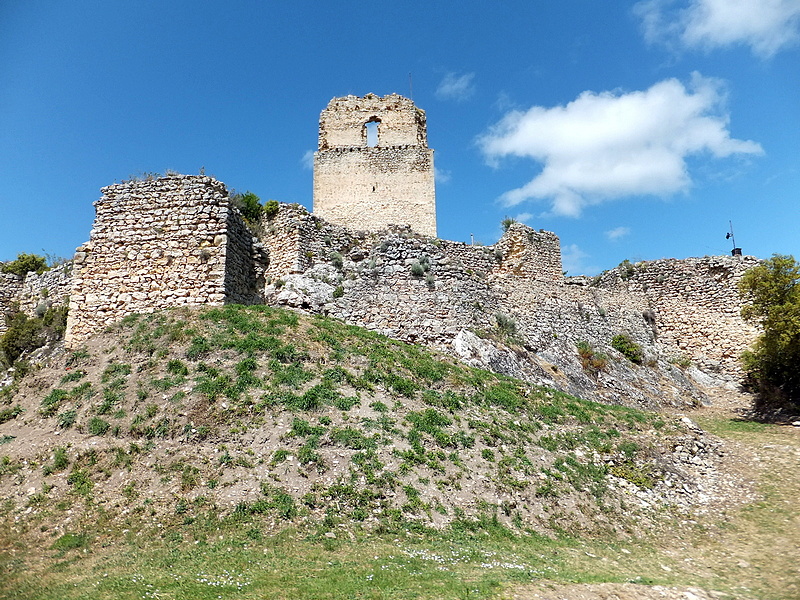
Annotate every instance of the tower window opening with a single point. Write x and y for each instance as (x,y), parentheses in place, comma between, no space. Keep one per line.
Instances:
(372,131)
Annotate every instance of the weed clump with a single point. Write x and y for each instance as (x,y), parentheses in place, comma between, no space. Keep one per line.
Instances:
(629,349)
(592,361)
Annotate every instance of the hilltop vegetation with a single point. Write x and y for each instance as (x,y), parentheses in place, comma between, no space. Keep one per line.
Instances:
(307,417)
(185,435)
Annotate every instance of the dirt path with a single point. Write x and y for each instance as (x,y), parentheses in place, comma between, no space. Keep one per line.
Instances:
(751,549)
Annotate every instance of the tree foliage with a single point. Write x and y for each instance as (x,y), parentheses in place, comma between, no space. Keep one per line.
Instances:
(25,263)
(772,293)
(25,334)
(250,206)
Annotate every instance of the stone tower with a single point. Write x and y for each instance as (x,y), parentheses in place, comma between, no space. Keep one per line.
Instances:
(373,167)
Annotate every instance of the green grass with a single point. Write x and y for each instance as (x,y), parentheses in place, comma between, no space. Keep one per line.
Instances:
(425,426)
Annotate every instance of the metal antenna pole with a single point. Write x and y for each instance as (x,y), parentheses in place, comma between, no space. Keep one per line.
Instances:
(733,239)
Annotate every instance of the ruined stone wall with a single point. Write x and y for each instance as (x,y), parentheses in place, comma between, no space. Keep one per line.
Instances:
(464,300)
(530,255)
(10,287)
(367,187)
(34,294)
(298,240)
(157,244)
(696,303)
(51,288)
(246,260)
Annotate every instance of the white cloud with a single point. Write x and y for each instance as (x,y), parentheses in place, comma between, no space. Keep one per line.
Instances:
(617,233)
(442,176)
(308,160)
(610,145)
(456,87)
(767,26)
(573,261)
(524,217)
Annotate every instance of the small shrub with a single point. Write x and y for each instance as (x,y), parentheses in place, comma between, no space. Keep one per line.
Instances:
(52,401)
(60,459)
(507,223)
(177,367)
(80,482)
(506,325)
(67,419)
(417,270)
(680,361)
(271,208)
(279,456)
(73,376)
(338,292)
(626,269)
(115,370)
(10,413)
(592,361)
(336,260)
(249,205)
(23,335)
(629,349)
(78,357)
(25,263)
(198,348)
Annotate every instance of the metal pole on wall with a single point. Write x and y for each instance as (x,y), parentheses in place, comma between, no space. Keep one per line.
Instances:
(729,236)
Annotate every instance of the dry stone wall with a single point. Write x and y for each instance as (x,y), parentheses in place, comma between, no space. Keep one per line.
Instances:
(477,302)
(34,294)
(530,255)
(161,243)
(369,187)
(51,288)
(697,305)
(10,287)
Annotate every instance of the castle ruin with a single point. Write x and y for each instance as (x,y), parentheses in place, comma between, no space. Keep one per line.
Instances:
(369,256)
(373,167)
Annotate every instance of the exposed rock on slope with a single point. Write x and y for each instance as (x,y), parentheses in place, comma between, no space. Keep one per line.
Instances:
(261,411)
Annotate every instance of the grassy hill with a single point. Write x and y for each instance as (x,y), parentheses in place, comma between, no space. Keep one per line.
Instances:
(282,452)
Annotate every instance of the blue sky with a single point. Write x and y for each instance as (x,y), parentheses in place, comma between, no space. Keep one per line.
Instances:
(633,130)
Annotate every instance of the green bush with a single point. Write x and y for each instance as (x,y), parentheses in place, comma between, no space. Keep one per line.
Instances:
(60,459)
(506,325)
(25,334)
(629,349)
(25,263)
(271,208)
(507,223)
(249,205)
(772,293)
(98,426)
(10,413)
